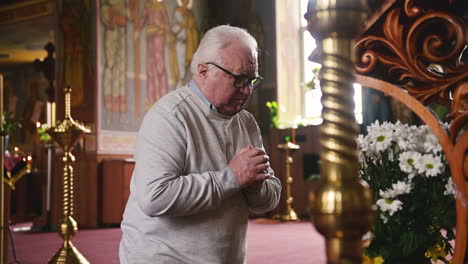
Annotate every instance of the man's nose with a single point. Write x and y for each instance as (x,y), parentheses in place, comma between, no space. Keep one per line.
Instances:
(247,89)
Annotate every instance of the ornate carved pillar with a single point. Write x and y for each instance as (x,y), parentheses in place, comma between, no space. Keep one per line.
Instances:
(343,208)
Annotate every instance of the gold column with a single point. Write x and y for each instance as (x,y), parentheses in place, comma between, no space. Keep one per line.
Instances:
(288,148)
(343,208)
(67,134)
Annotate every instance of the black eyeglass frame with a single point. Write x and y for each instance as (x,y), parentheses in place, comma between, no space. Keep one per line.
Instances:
(253,83)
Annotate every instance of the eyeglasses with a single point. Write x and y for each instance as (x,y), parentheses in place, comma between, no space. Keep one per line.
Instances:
(240,81)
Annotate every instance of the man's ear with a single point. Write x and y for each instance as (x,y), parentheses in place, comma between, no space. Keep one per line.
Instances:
(202,70)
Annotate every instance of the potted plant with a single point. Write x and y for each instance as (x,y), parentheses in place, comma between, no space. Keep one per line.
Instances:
(411,184)
(9,126)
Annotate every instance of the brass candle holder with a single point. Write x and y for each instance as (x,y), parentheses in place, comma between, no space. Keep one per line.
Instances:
(288,148)
(22,168)
(343,208)
(67,134)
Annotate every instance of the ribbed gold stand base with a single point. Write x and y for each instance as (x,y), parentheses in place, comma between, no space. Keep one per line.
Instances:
(68,254)
(291,216)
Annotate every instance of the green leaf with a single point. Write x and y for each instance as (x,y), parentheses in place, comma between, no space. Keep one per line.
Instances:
(440,110)
(10,123)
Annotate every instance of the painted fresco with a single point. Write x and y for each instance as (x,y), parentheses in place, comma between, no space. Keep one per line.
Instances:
(75,25)
(145,48)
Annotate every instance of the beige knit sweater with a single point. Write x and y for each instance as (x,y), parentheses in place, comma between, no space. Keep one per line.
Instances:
(186,205)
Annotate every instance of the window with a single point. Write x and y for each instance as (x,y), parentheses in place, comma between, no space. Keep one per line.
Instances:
(312,106)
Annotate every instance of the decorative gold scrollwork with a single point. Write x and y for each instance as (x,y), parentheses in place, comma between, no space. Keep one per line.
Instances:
(419,49)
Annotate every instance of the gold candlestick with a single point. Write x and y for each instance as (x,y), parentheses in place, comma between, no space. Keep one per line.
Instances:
(67,134)
(343,208)
(288,148)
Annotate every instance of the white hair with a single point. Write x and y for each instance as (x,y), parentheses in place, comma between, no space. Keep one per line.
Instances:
(217,39)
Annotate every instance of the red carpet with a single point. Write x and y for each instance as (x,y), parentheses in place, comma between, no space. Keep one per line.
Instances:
(269,243)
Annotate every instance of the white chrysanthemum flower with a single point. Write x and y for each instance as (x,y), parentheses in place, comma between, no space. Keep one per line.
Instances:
(398,129)
(389,205)
(401,187)
(382,140)
(387,194)
(377,128)
(422,130)
(406,137)
(407,161)
(398,188)
(450,187)
(404,144)
(374,128)
(419,137)
(387,126)
(363,143)
(429,164)
(431,144)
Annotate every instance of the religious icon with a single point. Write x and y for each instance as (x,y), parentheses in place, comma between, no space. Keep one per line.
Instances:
(156,20)
(184,41)
(113,17)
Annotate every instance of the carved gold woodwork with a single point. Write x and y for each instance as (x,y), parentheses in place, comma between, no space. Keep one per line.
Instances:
(417,46)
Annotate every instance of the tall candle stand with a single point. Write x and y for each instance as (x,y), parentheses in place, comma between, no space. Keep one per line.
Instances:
(67,134)
(288,148)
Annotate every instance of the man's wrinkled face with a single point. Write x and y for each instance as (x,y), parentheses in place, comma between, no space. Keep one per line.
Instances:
(220,89)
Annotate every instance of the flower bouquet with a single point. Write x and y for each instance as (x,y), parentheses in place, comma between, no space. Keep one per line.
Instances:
(414,193)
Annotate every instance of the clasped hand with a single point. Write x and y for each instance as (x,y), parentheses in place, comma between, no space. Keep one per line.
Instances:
(251,167)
